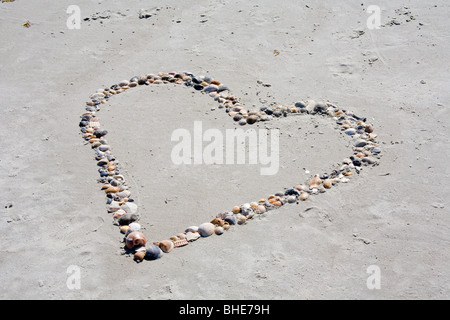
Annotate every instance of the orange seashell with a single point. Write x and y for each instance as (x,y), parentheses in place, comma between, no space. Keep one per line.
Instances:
(304,196)
(139,255)
(112,190)
(135,239)
(360,155)
(348,173)
(278,203)
(218,222)
(262,200)
(327,183)
(124,229)
(236,209)
(112,168)
(217,83)
(166,245)
(315,182)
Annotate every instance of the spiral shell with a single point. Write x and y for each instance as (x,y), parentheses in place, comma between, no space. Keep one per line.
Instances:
(135,239)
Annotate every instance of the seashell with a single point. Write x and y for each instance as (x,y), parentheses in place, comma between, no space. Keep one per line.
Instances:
(350,131)
(130,207)
(132,227)
(278,203)
(192,229)
(327,184)
(103,147)
(206,229)
(174,238)
(219,230)
(119,213)
(181,236)
(241,219)
(369,160)
(166,245)
(124,229)
(230,220)
(153,252)
(123,194)
(180,243)
(261,209)
(192,236)
(304,196)
(315,182)
(236,209)
(291,199)
(252,119)
(226,226)
(360,143)
(112,190)
(139,255)
(113,207)
(368,128)
(218,222)
(135,239)
(127,218)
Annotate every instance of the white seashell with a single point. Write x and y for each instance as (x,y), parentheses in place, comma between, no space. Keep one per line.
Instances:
(192,229)
(206,229)
(219,230)
(130,207)
(113,206)
(192,236)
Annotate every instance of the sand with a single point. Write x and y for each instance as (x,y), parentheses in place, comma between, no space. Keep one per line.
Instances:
(394,216)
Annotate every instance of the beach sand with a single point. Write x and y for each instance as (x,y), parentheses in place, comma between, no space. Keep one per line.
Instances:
(394,216)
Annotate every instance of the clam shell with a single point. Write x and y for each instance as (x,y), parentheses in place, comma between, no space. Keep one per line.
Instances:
(206,229)
(127,218)
(130,207)
(327,183)
(218,222)
(315,182)
(304,196)
(192,236)
(219,230)
(261,208)
(166,245)
(139,255)
(241,219)
(134,226)
(124,229)
(192,229)
(153,252)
